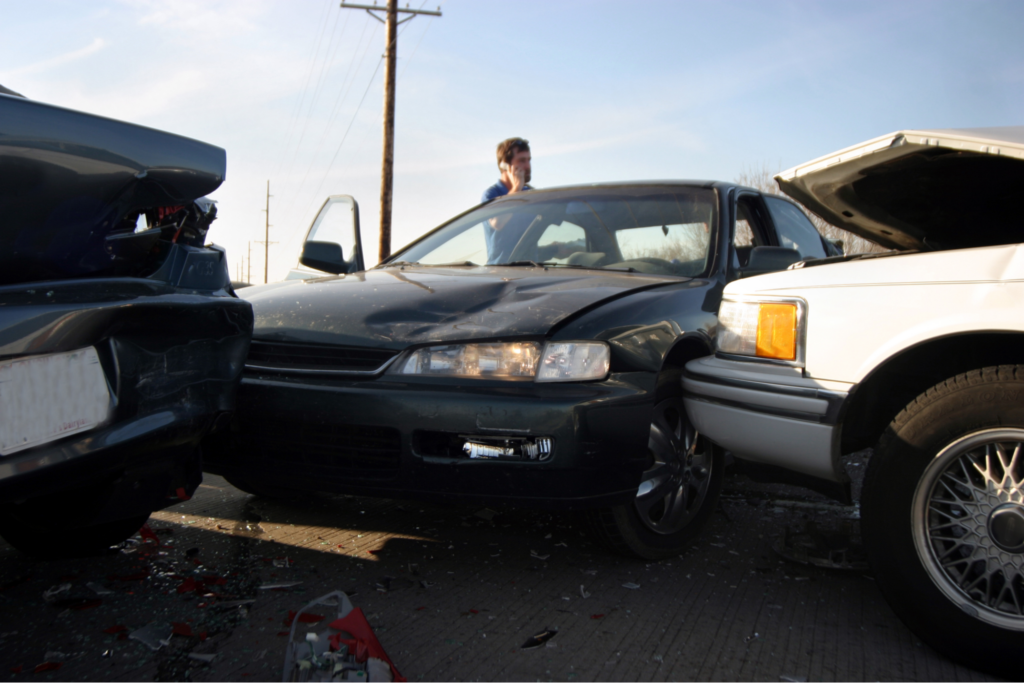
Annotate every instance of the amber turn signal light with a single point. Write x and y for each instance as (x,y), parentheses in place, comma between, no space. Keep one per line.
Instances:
(776,331)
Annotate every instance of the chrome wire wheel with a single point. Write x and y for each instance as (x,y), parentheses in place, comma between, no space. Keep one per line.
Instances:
(968,525)
(676,482)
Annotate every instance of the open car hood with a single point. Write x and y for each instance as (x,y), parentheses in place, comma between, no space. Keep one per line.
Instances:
(72,186)
(920,189)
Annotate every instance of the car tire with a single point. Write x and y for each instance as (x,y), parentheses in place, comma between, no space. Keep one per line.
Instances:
(47,543)
(261,489)
(678,490)
(943,518)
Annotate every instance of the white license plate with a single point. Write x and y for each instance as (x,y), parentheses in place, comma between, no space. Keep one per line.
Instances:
(44,398)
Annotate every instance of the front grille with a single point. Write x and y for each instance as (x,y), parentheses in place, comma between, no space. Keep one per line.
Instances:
(317,357)
(321,449)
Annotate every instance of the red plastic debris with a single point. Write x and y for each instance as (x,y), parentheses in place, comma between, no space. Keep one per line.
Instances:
(597,616)
(189,585)
(363,642)
(202,635)
(147,534)
(474,611)
(181,494)
(46,666)
(181,629)
(214,580)
(373,552)
(304,618)
(420,609)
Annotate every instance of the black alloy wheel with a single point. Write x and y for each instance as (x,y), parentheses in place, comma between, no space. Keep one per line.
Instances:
(677,493)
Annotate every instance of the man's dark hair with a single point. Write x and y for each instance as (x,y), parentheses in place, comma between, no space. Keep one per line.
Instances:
(511,147)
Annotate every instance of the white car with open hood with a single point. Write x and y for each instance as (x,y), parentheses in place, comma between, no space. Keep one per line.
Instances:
(919,353)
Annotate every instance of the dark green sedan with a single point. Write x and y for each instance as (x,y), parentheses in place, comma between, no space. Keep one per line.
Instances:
(526,353)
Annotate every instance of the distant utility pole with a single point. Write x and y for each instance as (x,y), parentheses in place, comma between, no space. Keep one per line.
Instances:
(387,167)
(248,277)
(265,242)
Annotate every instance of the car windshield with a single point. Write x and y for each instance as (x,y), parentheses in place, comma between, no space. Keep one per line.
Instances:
(662,231)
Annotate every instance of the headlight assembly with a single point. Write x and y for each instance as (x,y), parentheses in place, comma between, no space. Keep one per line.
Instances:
(769,328)
(552,362)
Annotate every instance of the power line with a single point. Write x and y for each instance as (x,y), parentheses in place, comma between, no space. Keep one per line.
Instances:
(305,86)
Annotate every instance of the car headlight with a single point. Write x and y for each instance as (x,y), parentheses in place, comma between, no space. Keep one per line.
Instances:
(554,362)
(769,328)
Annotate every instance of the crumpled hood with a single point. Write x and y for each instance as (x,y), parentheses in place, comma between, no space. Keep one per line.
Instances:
(398,307)
(69,180)
(920,189)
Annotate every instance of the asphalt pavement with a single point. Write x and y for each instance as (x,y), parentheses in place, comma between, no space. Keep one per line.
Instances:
(453,593)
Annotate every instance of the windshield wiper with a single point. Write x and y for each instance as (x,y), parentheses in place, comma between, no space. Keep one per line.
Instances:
(626,269)
(519,263)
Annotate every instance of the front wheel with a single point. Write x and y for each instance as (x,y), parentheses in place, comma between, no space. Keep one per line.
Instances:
(943,518)
(677,492)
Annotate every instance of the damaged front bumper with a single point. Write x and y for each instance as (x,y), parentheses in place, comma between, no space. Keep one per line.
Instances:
(487,442)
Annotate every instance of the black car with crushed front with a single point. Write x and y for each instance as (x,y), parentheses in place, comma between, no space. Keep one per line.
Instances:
(527,353)
(121,341)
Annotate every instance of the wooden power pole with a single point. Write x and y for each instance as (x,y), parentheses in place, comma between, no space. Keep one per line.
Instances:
(265,241)
(391,23)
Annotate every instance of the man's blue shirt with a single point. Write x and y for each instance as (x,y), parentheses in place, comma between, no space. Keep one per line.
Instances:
(500,243)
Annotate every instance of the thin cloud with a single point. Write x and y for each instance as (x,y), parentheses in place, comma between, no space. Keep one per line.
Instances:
(66,58)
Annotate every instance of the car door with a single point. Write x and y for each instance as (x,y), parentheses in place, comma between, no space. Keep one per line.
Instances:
(336,223)
(794,230)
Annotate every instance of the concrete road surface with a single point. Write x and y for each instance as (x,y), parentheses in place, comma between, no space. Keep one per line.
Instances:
(454,592)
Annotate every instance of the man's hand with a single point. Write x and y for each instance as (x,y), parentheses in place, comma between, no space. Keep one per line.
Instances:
(517,175)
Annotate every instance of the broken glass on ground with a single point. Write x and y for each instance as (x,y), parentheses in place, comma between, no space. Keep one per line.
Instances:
(154,636)
(831,549)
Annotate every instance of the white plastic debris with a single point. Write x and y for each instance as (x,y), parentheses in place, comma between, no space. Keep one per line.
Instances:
(630,585)
(98,589)
(53,593)
(154,636)
(207,659)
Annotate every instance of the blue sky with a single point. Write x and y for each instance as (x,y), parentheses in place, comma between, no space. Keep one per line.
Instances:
(603,91)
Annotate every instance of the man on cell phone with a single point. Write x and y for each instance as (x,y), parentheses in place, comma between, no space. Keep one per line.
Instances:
(504,231)
(514,163)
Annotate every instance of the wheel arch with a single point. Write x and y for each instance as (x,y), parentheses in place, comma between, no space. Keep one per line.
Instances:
(903,377)
(688,347)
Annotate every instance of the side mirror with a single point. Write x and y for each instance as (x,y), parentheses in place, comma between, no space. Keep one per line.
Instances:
(325,256)
(768,260)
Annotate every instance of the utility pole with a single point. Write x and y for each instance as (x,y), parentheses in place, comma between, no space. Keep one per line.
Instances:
(265,242)
(248,277)
(391,23)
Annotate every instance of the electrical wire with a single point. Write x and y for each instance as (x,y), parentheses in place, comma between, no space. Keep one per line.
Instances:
(305,87)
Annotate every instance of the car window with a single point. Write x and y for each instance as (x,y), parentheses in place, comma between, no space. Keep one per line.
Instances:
(559,242)
(677,244)
(795,230)
(467,246)
(334,223)
(665,230)
(749,232)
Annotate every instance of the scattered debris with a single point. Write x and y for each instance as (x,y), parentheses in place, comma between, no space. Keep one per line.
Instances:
(98,589)
(630,585)
(347,651)
(539,639)
(154,636)
(486,514)
(206,659)
(54,593)
(793,679)
(278,586)
(534,555)
(840,549)
(584,592)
